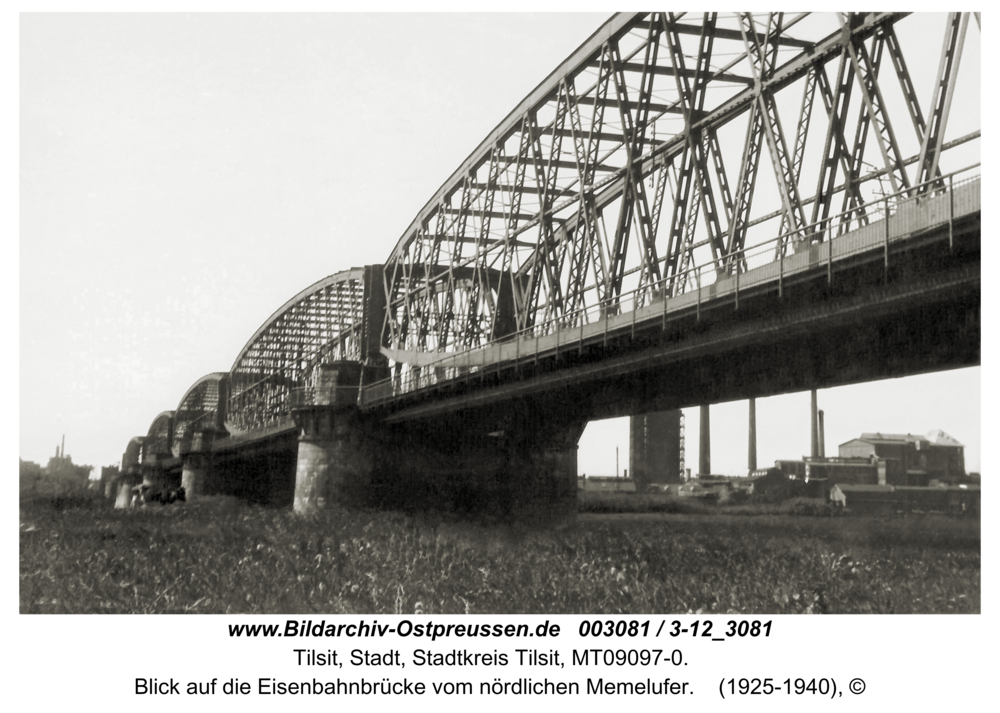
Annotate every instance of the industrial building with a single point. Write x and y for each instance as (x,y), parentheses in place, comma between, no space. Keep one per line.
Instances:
(909,460)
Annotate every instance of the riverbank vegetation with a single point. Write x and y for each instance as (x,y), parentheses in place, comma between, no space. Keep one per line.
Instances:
(220,555)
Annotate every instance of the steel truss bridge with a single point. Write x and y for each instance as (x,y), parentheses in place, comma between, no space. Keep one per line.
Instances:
(681,186)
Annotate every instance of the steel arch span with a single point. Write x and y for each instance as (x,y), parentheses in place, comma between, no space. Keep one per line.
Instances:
(158,442)
(658,153)
(331,320)
(202,408)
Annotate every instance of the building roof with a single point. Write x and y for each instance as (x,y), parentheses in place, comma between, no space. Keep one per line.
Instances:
(863,488)
(940,438)
(837,461)
(936,437)
(891,438)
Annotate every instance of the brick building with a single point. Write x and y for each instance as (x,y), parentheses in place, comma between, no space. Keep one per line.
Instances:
(911,460)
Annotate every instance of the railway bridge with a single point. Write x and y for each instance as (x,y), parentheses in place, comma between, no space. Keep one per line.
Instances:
(689,209)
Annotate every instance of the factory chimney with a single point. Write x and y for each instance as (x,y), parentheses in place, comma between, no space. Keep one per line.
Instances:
(814,426)
(822,435)
(705,443)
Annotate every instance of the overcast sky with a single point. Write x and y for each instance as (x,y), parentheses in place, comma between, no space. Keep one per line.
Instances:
(182,176)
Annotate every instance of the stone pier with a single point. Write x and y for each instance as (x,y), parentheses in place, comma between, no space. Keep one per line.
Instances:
(334,461)
(196,460)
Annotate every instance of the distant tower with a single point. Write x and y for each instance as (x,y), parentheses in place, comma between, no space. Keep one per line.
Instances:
(822,434)
(656,449)
(813,426)
(705,442)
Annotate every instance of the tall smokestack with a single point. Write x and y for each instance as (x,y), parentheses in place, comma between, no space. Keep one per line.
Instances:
(822,436)
(705,443)
(814,426)
(62,450)
(752,445)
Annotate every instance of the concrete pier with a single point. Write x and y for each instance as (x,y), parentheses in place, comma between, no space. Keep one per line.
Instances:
(655,448)
(129,478)
(334,461)
(196,460)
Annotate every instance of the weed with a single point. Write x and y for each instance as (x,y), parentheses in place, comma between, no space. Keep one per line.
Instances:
(220,555)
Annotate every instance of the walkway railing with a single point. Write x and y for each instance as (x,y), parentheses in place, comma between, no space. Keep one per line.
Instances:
(322,396)
(893,218)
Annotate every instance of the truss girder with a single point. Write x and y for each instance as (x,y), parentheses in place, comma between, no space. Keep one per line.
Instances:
(159,438)
(588,253)
(612,177)
(200,406)
(694,174)
(951,54)
(322,324)
(866,65)
(835,151)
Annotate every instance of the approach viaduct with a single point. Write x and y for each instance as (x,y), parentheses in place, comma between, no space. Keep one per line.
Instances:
(690,209)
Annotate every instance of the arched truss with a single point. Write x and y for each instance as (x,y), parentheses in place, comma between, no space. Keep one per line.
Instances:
(133,453)
(198,409)
(159,440)
(668,141)
(323,323)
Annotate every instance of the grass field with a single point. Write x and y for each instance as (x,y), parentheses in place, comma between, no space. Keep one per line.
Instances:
(78,555)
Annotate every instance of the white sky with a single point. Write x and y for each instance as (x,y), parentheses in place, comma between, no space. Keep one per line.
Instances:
(182,176)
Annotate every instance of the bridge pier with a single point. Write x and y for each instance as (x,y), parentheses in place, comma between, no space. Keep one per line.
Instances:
(512,463)
(655,448)
(152,472)
(333,464)
(129,478)
(196,463)
(547,490)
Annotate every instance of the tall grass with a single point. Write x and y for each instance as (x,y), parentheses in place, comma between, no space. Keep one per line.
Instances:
(221,555)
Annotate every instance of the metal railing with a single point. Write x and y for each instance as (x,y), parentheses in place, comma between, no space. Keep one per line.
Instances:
(323,396)
(892,218)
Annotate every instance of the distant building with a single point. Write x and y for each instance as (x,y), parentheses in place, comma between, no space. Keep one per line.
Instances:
(910,460)
(887,499)
(860,471)
(605,483)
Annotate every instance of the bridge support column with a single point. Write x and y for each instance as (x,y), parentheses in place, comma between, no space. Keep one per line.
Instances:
(152,472)
(333,465)
(196,463)
(655,448)
(752,438)
(551,497)
(193,475)
(130,477)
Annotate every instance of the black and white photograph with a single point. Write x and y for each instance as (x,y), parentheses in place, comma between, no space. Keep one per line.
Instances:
(656,326)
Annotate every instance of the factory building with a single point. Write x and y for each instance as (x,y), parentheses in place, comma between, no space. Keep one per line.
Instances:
(910,460)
